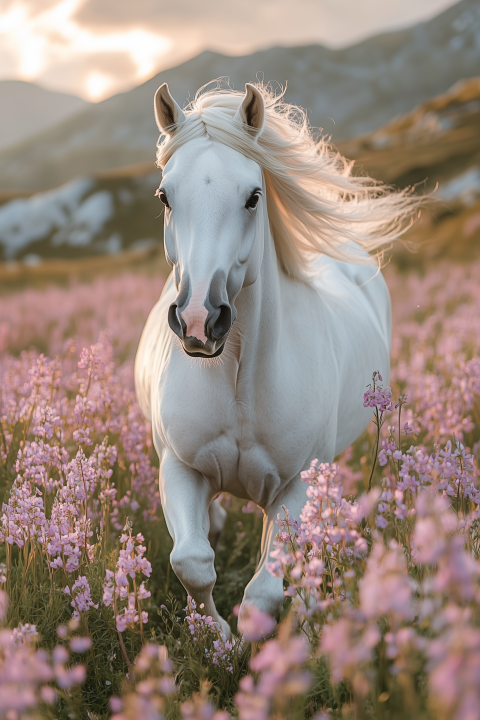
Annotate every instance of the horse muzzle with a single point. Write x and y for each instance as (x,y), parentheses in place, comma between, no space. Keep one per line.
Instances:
(213,334)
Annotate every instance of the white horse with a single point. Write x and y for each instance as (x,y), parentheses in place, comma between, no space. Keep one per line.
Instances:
(255,359)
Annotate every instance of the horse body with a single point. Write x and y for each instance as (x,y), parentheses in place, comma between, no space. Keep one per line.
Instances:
(280,395)
(287,388)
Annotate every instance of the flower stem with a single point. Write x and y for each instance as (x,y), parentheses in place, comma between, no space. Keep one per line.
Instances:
(131,674)
(375,448)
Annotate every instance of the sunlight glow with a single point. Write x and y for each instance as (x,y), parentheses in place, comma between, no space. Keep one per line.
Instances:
(97,84)
(52,38)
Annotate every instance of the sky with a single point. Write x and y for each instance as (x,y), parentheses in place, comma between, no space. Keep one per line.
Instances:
(96,48)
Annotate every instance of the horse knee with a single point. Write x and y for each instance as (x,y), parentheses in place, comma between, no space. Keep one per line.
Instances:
(193,565)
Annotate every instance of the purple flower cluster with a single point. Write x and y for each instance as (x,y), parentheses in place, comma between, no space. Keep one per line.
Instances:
(23,515)
(314,554)
(280,676)
(81,597)
(66,427)
(155,690)
(117,591)
(31,677)
(203,628)
(418,567)
(453,471)
(378,397)
(384,585)
(437,357)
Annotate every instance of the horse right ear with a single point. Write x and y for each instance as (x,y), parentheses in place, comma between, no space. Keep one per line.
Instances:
(168,114)
(251,112)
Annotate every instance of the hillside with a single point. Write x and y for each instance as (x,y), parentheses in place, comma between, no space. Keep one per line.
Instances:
(347,92)
(437,147)
(88,216)
(114,211)
(28,109)
(435,142)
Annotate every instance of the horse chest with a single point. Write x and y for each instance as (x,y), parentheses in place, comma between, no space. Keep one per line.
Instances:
(249,472)
(248,450)
(248,467)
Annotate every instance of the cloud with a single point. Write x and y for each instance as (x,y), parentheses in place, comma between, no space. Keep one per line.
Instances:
(98,47)
(94,75)
(45,43)
(34,7)
(234,25)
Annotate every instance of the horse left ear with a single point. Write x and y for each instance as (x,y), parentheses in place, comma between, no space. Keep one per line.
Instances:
(252,110)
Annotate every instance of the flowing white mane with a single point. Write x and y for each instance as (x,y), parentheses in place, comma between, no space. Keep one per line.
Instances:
(315,204)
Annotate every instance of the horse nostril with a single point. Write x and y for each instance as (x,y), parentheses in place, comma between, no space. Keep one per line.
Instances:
(223,322)
(175,324)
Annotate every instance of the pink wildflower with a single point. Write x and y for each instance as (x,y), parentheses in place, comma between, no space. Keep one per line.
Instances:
(386,588)
(81,600)
(131,563)
(280,676)
(254,624)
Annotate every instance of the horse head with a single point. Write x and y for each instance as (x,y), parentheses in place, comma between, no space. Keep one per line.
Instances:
(213,198)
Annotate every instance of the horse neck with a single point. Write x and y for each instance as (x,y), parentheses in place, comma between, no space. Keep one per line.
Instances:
(259,308)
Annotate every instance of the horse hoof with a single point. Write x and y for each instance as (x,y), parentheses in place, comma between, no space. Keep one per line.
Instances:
(226,629)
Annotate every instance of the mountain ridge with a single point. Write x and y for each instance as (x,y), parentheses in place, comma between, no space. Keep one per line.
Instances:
(348,92)
(29,108)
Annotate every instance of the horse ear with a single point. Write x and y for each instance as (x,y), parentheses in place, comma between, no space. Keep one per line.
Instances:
(168,114)
(252,110)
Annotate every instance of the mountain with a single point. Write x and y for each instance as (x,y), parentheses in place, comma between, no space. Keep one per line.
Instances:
(88,216)
(434,144)
(347,92)
(114,211)
(28,109)
(436,148)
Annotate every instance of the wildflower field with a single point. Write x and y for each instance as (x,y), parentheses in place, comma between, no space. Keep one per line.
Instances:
(381,571)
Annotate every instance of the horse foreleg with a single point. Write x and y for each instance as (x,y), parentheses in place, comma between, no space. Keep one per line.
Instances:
(186,496)
(264,590)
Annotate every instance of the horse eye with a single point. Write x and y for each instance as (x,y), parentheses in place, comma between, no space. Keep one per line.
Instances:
(252,202)
(162,196)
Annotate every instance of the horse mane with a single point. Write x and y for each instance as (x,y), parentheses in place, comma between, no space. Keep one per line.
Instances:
(315,204)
